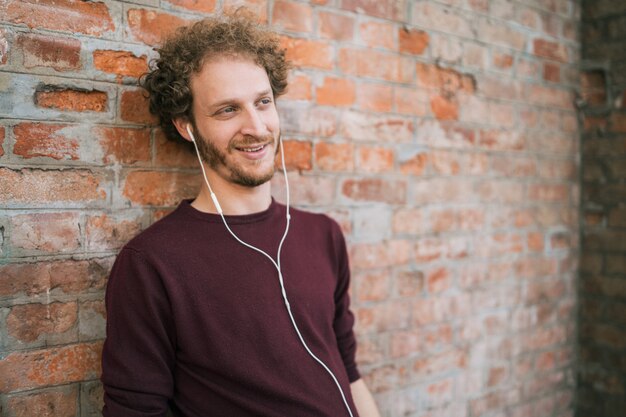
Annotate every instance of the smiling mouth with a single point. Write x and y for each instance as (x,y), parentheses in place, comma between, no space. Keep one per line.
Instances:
(252,149)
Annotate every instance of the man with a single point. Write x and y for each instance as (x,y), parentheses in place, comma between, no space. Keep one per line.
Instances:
(196,319)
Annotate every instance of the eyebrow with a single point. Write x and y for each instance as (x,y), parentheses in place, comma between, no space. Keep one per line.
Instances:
(232,100)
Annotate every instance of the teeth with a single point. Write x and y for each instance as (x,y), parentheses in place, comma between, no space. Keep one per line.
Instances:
(252,149)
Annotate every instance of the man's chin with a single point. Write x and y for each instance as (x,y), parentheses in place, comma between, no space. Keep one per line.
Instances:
(252,181)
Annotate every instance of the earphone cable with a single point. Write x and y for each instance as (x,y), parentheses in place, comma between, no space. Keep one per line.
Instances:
(275,263)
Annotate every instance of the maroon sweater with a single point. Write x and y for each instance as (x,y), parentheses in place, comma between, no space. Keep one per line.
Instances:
(196,322)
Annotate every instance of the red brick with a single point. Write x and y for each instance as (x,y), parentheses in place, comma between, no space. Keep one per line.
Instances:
(500,191)
(439,309)
(52,277)
(378,34)
(256,7)
(445,162)
(335,26)
(334,156)
(60,402)
(44,140)
(160,188)
(298,155)
(308,53)
(549,96)
(23,370)
(34,186)
(107,232)
(415,165)
(375,97)
(494,401)
(444,108)
(393,10)
(380,254)
(545,192)
(134,108)
(409,283)
(500,33)
(508,166)
(90,18)
(535,242)
(152,27)
(411,101)
(412,41)
(291,16)
(62,54)
(409,221)
(440,363)
(428,249)
(299,88)
(336,92)
(375,159)
(124,145)
(376,64)
(532,268)
(550,50)
(305,189)
(122,63)
(170,153)
(443,189)
(502,61)
(66,99)
(376,128)
(501,140)
(375,189)
(372,286)
(203,6)
(438,280)
(435,16)
(447,80)
(29,322)
(552,72)
(382,317)
(46,232)
(316,121)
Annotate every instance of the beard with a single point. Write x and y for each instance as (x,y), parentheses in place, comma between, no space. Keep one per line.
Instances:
(217,158)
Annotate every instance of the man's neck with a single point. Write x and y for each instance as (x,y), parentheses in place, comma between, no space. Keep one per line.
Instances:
(234,199)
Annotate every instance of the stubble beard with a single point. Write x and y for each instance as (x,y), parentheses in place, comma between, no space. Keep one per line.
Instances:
(216,158)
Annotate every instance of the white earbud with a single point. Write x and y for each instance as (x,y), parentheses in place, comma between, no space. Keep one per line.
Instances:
(190,134)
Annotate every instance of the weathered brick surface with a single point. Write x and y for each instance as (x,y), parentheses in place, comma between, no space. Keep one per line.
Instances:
(441,135)
(601,376)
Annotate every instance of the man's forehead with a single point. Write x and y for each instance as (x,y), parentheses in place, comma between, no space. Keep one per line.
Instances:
(230,73)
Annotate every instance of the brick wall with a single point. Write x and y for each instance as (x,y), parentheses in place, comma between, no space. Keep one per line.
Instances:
(602,368)
(441,134)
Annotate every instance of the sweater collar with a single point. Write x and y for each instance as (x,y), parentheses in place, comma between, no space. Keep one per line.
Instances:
(273,209)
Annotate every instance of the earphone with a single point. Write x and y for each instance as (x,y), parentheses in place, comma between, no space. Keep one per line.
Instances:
(275,263)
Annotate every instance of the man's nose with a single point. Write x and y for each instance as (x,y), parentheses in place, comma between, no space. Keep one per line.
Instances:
(253,124)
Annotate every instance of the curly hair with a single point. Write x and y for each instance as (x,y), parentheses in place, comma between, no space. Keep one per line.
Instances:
(184,53)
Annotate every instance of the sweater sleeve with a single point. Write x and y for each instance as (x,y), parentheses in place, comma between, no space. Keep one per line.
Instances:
(139,351)
(344,319)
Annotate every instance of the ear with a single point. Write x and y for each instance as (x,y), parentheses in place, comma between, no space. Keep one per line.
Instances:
(181,123)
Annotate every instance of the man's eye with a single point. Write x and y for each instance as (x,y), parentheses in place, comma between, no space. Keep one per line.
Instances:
(266,100)
(227,110)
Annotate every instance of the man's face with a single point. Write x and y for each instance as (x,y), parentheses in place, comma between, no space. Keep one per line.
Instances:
(236,124)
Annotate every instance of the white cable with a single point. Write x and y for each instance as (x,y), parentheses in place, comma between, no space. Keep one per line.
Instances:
(275,263)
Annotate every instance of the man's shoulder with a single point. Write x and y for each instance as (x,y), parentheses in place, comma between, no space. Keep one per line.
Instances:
(315,222)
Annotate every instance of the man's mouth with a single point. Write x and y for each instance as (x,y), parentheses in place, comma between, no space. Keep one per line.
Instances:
(251,148)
